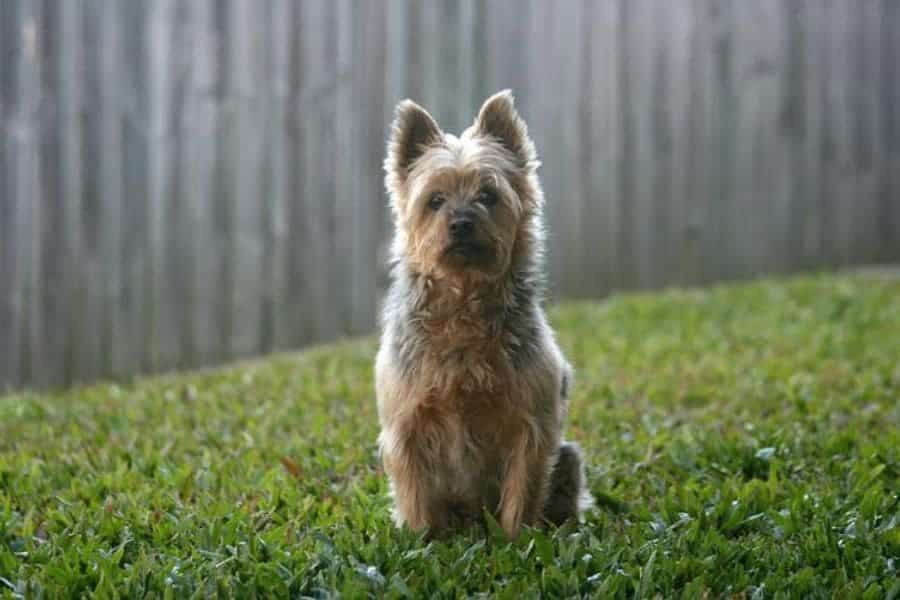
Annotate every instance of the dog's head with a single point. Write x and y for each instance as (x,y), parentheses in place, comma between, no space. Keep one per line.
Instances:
(464,205)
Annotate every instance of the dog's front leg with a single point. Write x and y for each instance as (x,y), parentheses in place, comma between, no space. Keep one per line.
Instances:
(524,485)
(410,479)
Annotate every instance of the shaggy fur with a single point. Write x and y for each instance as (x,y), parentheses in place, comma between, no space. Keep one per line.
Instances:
(471,385)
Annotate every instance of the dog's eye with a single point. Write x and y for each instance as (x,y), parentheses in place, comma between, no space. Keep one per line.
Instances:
(486,198)
(435,201)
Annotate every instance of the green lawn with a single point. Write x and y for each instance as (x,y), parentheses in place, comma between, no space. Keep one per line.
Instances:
(743,441)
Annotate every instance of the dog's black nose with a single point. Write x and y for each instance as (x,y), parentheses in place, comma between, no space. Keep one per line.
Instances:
(461,226)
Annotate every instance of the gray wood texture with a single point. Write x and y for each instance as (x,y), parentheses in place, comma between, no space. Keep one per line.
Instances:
(183,182)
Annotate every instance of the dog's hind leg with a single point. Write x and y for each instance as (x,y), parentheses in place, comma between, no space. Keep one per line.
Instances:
(568,496)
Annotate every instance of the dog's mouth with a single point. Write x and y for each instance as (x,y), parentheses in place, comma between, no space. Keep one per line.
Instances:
(467,250)
(467,253)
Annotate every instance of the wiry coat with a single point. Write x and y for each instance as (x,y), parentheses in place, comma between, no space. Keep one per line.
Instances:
(471,385)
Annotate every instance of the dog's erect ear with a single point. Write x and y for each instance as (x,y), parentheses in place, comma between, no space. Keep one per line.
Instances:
(499,119)
(411,134)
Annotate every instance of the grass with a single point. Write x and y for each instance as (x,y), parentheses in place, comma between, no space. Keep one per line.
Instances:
(744,441)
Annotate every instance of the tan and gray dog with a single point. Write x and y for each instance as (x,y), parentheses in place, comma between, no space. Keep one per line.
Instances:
(472,388)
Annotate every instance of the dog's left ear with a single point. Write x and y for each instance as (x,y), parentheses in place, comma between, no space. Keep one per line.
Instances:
(413,131)
(499,119)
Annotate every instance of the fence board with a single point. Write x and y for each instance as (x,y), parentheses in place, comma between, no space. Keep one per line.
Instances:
(371,215)
(159,336)
(116,341)
(196,200)
(348,211)
(299,299)
(49,350)
(545,99)
(841,92)
(755,76)
(866,71)
(277,329)
(11,346)
(90,358)
(133,106)
(9,368)
(681,250)
(889,106)
(322,258)
(724,224)
(812,211)
(246,33)
(603,140)
(568,44)
(28,187)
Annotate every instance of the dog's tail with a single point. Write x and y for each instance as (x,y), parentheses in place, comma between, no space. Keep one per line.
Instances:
(568,497)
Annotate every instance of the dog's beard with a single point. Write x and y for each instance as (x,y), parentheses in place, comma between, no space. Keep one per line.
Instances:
(469,256)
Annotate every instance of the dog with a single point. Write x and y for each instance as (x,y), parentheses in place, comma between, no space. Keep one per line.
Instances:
(471,386)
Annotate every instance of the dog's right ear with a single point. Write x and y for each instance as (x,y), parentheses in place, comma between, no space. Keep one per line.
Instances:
(498,119)
(411,134)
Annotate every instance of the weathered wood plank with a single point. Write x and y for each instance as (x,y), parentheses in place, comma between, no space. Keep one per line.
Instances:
(602,212)
(507,60)
(840,128)
(223,188)
(7,367)
(159,330)
(197,202)
(724,200)
(439,26)
(11,46)
(718,138)
(111,263)
(682,239)
(70,57)
(370,211)
(889,207)
(298,301)
(180,262)
(514,68)
(49,355)
(466,45)
(639,41)
(626,264)
(811,216)
(417,49)
(662,262)
(777,151)
(748,73)
(757,211)
(866,72)
(802,220)
(396,72)
(91,355)
(697,213)
(568,199)
(397,64)
(279,162)
(245,62)
(318,189)
(348,211)
(133,101)
(29,191)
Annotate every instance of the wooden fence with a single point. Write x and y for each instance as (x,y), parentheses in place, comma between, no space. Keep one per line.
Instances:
(183,182)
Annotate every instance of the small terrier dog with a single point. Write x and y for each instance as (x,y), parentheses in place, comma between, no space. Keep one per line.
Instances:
(472,388)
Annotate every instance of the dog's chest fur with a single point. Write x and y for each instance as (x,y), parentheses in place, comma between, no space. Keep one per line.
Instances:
(458,362)
(460,346)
